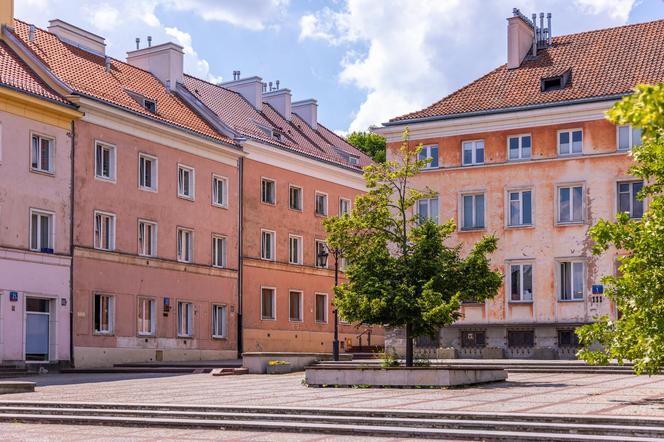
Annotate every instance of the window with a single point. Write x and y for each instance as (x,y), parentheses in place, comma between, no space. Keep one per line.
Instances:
(473,211)
(321,204)
(150,105)
(103,314)
(268,303)
(570,142)
(185,319)
(473,339)
(321,258)
(147,172)
(627,199)
(218,251)
(354,160)
(219,191)
(104,231)
(218,321)
(268,191)
(520,208)
(295,197)
(42,154)
(185,244)
(430,151)
(41,231)
(520,338)
(104,161)
(427,209)
(295,306)
(519,147)
(267,245)
(147,238)
(321,308)
(146,316)
(521,282)
(294,249)
(344,206)
(570,204)
(570,286)
(628,137)
(568,338)
(185,182)
(473,152)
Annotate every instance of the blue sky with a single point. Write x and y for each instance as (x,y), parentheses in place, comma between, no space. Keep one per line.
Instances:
(364,60)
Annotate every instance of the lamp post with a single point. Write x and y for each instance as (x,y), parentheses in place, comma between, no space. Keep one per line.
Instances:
(323,255)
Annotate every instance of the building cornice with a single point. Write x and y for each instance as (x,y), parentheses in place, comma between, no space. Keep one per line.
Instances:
(36,108)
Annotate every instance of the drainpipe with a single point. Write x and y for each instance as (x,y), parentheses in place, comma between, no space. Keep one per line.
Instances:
(240,254)
(71,250)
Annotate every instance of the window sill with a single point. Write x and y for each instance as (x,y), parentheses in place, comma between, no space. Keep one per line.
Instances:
(219,338)
(520,226)
(519,160)
(185,337)
(150,335)
(43,172)
(321,323)
(570,223)
(321,215)
(296,321)
(184,262)
(473,229)
(472,164)
(151,190)
(571,300)
(268,259)
(186,198)
(268,204)
(105,180)
(268,319)
(568,155)
(218,267)
(295,210)
(147,256)
(98,333)
(526,302)
(220,206)
(104,250)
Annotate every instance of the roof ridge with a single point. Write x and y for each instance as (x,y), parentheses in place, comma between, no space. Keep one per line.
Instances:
(612,28)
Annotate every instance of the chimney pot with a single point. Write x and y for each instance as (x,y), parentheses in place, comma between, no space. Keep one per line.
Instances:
(149,40)
(250,88)
(138,43)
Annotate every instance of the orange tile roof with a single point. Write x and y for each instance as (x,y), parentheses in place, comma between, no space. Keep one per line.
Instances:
(85,73)
(604,63)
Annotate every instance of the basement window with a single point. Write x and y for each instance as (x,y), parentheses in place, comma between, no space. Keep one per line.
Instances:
(556,82)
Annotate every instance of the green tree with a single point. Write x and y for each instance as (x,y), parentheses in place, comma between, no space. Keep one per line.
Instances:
(400,272)
(370,143)
(638,289)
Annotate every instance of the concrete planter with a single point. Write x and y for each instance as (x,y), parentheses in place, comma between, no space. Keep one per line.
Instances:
(279,368)
(11,387)
(257,362)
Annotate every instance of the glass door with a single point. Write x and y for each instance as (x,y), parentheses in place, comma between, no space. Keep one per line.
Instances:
(37,339)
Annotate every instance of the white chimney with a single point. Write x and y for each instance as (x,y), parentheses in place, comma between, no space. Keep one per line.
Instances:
(164,61)
(520,36)
(250,88)
(280,100)
(307,110)
(77,37)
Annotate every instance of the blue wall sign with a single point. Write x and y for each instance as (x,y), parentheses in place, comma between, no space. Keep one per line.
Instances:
(13,296)
(598,289)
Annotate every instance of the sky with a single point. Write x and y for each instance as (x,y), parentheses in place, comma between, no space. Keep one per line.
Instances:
(365,61)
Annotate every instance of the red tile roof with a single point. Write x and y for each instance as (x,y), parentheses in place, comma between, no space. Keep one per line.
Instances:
(604,63)
(85,73)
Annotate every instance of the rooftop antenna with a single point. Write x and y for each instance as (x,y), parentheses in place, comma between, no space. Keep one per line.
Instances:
(271,88)
(107,63)
(548,25)
(31,33)
(277,84)
(149,41)
(138,43)
(264,87)
(534,34)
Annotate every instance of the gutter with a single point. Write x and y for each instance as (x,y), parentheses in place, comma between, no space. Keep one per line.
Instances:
(71,248)
(240,255)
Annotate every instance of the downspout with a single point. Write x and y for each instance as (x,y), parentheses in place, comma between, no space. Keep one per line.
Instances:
(240,255)
(71,249)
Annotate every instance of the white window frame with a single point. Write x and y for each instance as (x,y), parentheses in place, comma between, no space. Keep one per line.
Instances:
(300,200)
(180,244)
(631,142)
(273,245)
(153,316)
(427,148)
(51,154)
(348,202)
(112,168)
(190,318)
(474,149)
(192,182)
(98,241)
(326,320)
(301,305)
(569,132)
(632,197)
(428,215)
(520,137)
(215,323)
(155,172)
(327,262)
(216,239)
(111,313)
(299,240)
(508,207)
(51,236)
(354,159)
(316,195)
(274,304)
(142,223)
(224,197)
(520,264)
(462,214)
(274,191)
(572,260)
(583,203)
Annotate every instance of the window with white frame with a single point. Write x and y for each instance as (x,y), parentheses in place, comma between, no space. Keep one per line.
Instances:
(185,240)
(268,303)
(104,231)
(354,160)
(473,152)
(519,147)
(267,245)
(294,249)
(321,308)
(321,204)
(42,155)
(321,250)
(628,137)
(430,151)
(295,197)
(521,282)
(185,182)
(472,211)
(295,300)
(628,200)
(219,191)
(147,238)
(570,204)
(218,251)
(185,319)
(104,161)
(103,314)
(268,191)
(427,208)
(344,206)
(570,280)
(219,321)
(147,316)
(42,235)
(147,172)
(520,208)
(570,142)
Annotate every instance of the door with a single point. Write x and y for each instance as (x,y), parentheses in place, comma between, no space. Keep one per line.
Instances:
(37,339)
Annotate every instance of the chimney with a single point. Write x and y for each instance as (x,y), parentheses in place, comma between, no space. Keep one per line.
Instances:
(307,110)
(520,38)
(7,13)
(78,37)
(250,88)
(280,100)
(164,61)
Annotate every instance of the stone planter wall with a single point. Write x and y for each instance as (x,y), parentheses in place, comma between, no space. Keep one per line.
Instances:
(278,368)
(257,362)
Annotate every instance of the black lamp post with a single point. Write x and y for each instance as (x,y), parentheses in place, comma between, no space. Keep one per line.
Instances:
(323,255)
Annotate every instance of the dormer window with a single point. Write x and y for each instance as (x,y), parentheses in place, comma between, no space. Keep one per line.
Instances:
(354,160)
(150,105)
(556,82)
(146,103)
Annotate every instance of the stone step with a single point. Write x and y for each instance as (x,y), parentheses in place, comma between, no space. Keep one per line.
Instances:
(178,369)
(231,363)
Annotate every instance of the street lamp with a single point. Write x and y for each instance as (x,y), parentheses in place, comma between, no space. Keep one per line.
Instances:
(323,255)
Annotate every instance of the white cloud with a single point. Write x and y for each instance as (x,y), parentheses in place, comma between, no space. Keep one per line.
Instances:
(250,14)
(193,64)
(104,16)
(616,9)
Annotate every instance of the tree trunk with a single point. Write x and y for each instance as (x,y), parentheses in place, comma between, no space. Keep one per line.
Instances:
(409,345)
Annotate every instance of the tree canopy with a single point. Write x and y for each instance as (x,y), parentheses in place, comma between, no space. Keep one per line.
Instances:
(370,143)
